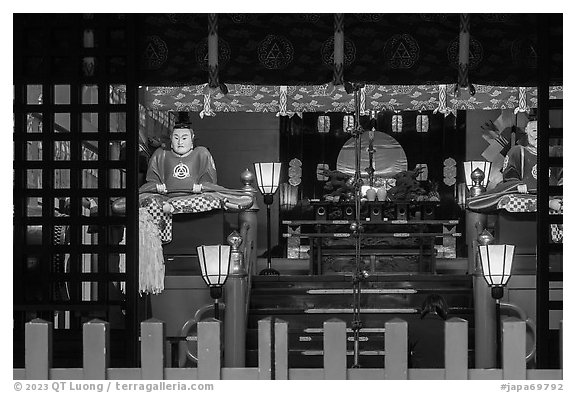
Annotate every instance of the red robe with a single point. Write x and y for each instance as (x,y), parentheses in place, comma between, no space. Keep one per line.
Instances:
(179,174)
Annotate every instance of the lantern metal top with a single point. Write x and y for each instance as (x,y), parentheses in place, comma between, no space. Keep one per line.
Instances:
(471,166)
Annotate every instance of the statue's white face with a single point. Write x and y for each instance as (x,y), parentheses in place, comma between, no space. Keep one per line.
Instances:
(532,133)
(182,140)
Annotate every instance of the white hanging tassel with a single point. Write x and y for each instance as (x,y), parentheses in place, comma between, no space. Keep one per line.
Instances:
(283,101)
(522,102)
(207,111)
(151,259)
(363,110)
(442,102)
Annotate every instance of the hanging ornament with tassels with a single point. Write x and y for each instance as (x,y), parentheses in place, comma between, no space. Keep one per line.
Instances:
(464,57)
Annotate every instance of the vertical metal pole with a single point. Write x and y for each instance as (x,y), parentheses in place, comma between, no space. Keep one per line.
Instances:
(357,229)
(268,236)
(216,310)
(543,355)
(498,336)
(484,324)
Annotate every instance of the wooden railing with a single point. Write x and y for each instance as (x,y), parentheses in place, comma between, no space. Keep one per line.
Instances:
(273,355)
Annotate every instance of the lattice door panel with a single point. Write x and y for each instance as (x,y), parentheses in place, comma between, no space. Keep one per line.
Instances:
(74,158)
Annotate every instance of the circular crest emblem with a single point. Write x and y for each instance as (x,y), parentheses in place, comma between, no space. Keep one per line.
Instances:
(183,18)
(524,52)
(310,18)
(433,17)
(496,18)
(155,52)
(369,17)
(328,52)
(476,53)
(181,171)
(275,52)
(202,53)
(401,51)
(241,18)
(535,172)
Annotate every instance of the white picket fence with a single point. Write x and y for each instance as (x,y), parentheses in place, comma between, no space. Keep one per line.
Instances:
(273,355)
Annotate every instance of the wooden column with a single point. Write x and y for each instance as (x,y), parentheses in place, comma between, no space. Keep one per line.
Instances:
(235,315)
(484,304)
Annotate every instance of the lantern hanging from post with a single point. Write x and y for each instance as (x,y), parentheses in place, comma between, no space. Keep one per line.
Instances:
(214,265)
(268,178)
(496,260)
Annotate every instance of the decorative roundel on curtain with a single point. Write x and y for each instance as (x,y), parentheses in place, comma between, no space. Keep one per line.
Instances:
(312,18)
(241,18)
(496,18)
(433,17)
(524,52)
(369,17)
(202,53)
(155,52)
(275,52)
(401,51)
(476,53)
(182,18)
(328,52)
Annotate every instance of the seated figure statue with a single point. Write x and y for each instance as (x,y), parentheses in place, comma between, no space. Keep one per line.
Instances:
(520,162)
(181,170)
(173,175)
(519,174)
